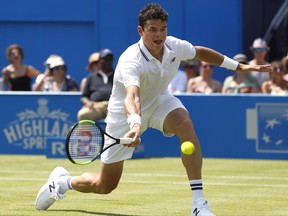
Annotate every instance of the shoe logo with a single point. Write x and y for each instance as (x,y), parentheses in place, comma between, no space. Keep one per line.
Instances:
(196,212)
(51,187)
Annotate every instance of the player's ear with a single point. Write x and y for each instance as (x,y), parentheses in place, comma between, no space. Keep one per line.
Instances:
(140,30)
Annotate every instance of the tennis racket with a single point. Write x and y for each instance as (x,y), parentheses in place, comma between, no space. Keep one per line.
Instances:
(85,142)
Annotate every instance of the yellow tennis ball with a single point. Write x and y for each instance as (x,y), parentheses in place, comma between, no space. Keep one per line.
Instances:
(187,147)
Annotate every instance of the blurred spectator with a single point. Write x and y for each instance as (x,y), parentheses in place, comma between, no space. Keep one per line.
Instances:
(93,66)
(285,65)
(17,76)
(179,82)
(55,77)
(1,84)
(277,85)
(97,89)
(260,52)
(241,82)
(204,83)
(44,81)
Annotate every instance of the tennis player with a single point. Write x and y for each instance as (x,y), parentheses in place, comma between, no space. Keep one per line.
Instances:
(140,100)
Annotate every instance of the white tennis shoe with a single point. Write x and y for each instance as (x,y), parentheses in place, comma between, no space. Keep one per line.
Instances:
(201,208)
(49,192)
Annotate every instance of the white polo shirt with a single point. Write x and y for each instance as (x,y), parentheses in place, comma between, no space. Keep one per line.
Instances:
(136,66)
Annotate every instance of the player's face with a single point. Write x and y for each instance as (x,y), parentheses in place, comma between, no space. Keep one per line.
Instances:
(154,34)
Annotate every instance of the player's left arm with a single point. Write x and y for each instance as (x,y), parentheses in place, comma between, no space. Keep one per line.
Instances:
(213,57)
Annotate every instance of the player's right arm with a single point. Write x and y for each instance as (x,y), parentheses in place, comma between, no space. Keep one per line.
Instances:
(132,100)
(133,111)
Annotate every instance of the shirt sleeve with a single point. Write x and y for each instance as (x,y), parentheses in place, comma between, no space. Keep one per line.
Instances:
(184,48)
(189,51)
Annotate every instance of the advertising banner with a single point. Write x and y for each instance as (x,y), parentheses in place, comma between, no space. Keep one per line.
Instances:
(228,126)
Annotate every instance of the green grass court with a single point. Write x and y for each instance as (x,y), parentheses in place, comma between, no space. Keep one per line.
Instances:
(151,187)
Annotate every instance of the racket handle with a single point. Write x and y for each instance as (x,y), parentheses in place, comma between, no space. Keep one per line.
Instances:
(126,140)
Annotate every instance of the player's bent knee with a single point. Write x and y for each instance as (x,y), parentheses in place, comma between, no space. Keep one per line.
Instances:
(185,125)
(105,190)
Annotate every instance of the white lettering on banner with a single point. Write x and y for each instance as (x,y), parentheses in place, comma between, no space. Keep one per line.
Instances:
(58,148)
(32,128)
(34,143)
(16,132)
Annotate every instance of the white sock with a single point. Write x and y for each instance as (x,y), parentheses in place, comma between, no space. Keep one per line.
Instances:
(197,189)
(65,184)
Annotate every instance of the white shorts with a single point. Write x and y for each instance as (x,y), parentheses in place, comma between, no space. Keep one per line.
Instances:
(153,117)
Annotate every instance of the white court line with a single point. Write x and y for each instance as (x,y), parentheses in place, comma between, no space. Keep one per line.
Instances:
(164,182)
(210,176)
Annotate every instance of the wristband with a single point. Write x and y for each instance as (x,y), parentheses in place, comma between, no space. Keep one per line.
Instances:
(229,63)
(133,119)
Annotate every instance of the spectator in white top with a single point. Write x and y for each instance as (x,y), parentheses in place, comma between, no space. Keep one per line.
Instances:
(260,52)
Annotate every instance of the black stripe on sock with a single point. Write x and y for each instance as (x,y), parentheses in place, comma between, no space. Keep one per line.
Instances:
(197,188)
(195,185)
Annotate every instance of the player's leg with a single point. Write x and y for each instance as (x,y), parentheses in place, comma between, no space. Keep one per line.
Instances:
(103,183)
(171,118)
(60,181)
(112,161)
(107,180)
(179,123)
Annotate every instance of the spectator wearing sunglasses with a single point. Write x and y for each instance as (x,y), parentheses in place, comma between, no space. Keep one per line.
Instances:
(93,66)
(260,51)
(18,76)
(98,88)
(204,83)
(240,82)
(277,85)
(55,78)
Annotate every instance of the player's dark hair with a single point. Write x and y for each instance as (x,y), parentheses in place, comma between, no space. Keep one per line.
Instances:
(150,12)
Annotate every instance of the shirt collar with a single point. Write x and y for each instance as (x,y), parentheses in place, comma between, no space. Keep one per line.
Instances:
(147,55)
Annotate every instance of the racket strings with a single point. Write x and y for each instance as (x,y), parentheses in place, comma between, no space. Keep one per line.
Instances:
(86,142)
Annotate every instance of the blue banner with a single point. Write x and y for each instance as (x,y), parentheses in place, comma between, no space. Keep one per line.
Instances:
(29,119)
(228,126)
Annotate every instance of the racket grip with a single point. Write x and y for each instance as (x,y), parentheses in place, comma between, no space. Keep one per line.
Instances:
(126,140)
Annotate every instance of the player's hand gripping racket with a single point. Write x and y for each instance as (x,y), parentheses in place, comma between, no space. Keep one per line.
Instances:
(85,142)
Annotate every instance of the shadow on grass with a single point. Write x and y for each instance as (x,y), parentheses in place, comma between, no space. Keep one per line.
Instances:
(92,213)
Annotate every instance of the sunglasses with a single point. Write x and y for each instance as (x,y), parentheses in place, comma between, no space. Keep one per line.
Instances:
(59,68)
(13,53)
(280,68)
(207,66)
(95,63)
(189,66)
(259,49)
